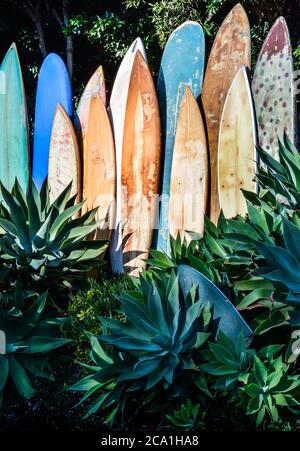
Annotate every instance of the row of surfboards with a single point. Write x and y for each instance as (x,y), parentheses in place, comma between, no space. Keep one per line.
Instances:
(147,142)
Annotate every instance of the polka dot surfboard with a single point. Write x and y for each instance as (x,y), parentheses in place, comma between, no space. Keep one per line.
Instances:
(272,89)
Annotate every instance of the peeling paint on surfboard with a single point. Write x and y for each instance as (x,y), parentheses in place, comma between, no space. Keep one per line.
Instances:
(64,159)
(182,64)
(117,107)
(230,51)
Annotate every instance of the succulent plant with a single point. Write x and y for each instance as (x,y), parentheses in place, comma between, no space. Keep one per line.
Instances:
(157,348)
(26,338)
(42,241)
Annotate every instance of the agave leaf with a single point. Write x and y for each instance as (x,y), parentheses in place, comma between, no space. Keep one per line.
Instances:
(39,368)
(42,344)
(20,378)
(30,319)
(33,208)
(4,370)
(62,219)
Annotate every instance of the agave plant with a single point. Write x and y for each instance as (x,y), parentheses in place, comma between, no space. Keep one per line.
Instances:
(26,338)
(269,386)
(43,241)
(156,349)
(205,254)
(280,180)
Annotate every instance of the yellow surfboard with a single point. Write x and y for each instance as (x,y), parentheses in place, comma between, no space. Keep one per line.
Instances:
(99,174)
(140,166)
(189,176)
(64,159)
(236,150)
(231,50)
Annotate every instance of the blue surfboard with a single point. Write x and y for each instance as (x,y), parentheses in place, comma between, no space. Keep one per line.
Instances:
(54,88)
(182,64)
(224,312)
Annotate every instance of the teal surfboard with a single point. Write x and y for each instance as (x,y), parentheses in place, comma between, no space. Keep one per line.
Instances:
(182,64)
(224,312)
(13,122)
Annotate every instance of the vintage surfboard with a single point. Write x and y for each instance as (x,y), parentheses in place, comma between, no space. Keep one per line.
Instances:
(140,166)
(117,107)
(237,147)
(64,164)
(231,50)
(182,64)
(14,155)
(229,320)
(53,88)
(95,86)
(99,173)
(190,174)
(272,89)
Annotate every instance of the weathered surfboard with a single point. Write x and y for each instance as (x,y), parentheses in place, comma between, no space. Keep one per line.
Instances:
(64,160)
(230,322)
(99,180)
(182,64)
(95,86)
(140,166)
(14,155)
(231,50)
(54,88)
(272,89)
(189,175)
(117,108)
(237,151)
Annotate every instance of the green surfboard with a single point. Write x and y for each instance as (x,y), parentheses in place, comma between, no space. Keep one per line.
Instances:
(13,122)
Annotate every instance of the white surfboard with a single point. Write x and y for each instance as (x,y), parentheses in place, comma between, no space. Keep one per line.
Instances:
(117,108)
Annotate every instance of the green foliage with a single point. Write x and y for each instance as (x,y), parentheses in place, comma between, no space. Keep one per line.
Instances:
(228,362)
(98,298)
(156,349)
(296,55)
(28,337)
(187,418)
(44,244)
(280,180)
(269,386)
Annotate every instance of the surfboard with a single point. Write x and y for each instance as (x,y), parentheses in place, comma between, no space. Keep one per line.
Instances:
(272,89)
(117,109)
(14,155)
(229,320)
(53,88)
(140,166)
(237,151)
(95,86)
(189,175)
(99,174)
(230,51)
(182,64)
(64,158)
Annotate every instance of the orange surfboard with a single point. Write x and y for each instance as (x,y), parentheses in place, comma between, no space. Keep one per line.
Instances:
(230,51)
(95,86)
(99,174)
(64,159)
(190,175)
(140,166)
